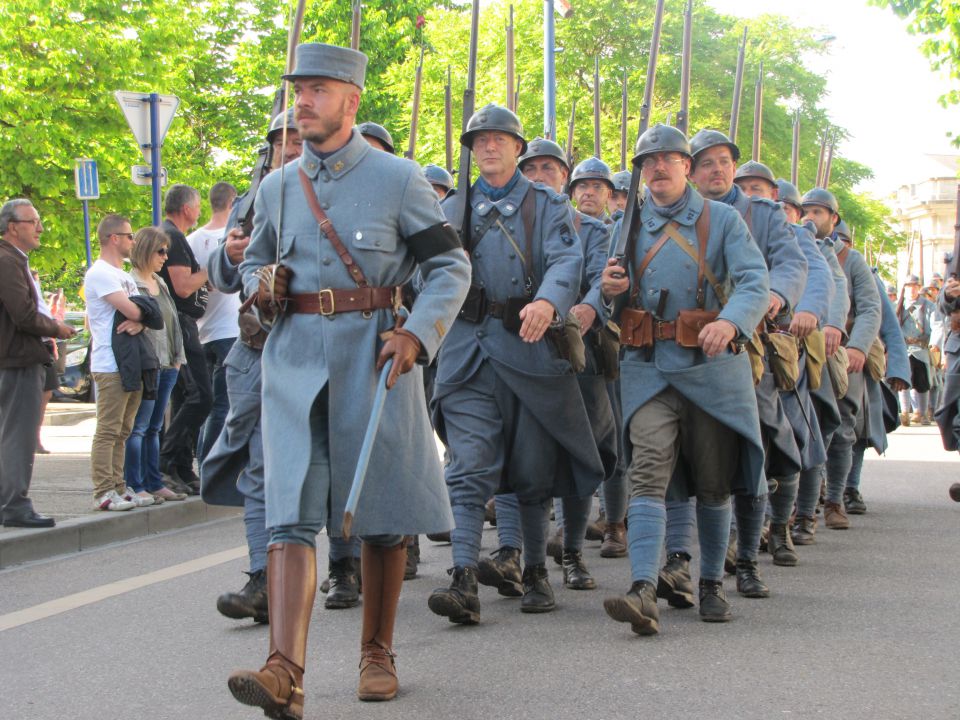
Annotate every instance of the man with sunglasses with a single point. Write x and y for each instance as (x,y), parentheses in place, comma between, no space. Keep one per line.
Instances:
(22,360)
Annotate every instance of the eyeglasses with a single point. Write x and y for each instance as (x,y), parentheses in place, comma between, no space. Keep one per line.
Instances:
(651,161)
(35,223)
(162,251)
(126,235)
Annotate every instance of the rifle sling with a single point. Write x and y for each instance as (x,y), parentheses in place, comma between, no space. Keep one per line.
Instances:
(326,227)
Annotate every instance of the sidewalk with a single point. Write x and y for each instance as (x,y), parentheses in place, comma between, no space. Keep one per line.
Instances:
(62,488)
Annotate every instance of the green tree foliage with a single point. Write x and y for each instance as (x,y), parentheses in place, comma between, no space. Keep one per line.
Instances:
(62,60)
(939,22)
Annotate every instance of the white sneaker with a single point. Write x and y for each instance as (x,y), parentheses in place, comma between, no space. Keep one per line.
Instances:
(143,499)
(112,501)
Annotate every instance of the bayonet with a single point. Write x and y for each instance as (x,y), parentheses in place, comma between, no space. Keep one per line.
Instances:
(758,114)
(738,89)
(570,128)
(415,113)
(596,106)
(623,123)
(626,224)
(458,209)
(823,157)
(795,150)
(683,120)
(828,165)
(355,26)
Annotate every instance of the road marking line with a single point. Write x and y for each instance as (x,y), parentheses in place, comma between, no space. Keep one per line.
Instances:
(93,595)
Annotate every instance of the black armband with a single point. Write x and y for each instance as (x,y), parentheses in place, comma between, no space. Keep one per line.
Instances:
(436,239)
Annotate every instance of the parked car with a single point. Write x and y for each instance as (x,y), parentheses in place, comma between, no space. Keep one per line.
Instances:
(73,366)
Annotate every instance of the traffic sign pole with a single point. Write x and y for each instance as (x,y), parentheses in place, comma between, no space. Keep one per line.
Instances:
(155,154)
(86,230)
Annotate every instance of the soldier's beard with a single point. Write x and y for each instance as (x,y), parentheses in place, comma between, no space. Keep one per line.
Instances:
(329,126)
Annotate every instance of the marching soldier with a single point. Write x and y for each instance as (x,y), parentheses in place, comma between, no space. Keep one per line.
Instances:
(232,472)
(688,395)
(333,302)
(823,397)
(506,403)
(946,415)
(714,166)
(756,180)
(618,198)
(440,180)
(863,323)
(915,314)
(591,187)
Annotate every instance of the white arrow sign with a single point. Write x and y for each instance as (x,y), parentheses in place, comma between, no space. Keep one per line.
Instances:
(136,108)
(143,175)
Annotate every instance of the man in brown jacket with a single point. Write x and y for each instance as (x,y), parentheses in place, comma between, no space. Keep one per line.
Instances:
(22,359)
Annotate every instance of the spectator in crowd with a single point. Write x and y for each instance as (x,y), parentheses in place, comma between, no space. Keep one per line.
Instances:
(23,358)
(219,324)
(50,381)
(192,396)
(142,460)
(108,289)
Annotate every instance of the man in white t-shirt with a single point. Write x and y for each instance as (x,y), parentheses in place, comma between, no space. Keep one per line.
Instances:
(218,326)
(108,288)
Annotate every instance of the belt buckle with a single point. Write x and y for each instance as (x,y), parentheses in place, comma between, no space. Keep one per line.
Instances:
(658,330)
(333,306)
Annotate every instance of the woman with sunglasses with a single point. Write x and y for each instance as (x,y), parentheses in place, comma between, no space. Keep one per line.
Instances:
(142,461)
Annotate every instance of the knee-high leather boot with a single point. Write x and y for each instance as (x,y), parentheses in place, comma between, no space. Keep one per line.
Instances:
(382,569)
(291,585)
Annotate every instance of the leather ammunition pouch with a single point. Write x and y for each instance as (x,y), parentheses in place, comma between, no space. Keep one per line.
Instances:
(508,312)
(815,356)
(755,352)
(689,324)
(636,328)
(252,333)
(569,343)
(474,307)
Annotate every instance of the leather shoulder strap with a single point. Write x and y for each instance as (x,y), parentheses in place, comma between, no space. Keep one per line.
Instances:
(326,227)
(747,217)
(577,222)
(528,211)
(842,255)
(644,262)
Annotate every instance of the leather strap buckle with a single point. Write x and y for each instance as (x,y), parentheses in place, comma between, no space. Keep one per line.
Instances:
(327,293)
(658,330)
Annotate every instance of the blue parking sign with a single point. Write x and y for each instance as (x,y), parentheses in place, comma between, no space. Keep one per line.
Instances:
(87,180)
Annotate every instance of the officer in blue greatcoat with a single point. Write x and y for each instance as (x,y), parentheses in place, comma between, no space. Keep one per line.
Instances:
(506,402)
(354,225)
(714,167)
(695,290)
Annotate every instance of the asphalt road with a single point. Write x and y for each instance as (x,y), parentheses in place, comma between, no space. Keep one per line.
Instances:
(865,627)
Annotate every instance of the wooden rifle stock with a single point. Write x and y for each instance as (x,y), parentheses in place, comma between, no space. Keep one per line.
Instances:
(355,26)
(458,210)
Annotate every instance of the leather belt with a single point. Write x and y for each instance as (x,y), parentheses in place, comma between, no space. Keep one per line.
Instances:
(495,310)
(332,301)
(664,330)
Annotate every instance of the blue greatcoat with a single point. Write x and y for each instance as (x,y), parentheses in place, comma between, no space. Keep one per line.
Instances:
(376,202)
(816,299)
(722,386)
(824,396)
(595,242)
(787,267)
(545,455)
(917,323)
(898,366)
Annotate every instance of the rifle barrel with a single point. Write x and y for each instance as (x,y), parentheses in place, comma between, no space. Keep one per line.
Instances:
(415,113)
(570,128)
(823,157)
(448,121)
(738,88)
(510,64)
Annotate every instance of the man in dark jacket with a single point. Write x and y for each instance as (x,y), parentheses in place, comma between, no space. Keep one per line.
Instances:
(22,360)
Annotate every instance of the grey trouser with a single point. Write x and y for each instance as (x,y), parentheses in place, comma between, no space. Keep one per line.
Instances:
(670,425)
(20,390)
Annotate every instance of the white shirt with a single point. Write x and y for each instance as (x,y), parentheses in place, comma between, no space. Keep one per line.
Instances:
(221,319)
(104,279)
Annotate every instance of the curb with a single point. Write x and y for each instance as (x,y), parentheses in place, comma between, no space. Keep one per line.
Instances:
(83,533)
(68,418)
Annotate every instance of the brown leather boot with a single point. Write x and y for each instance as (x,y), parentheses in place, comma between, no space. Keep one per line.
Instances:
(291,586)
(383,569)
(834,516)
(614,541)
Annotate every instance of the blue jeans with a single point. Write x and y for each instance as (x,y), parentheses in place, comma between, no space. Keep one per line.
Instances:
(216,352)
(141,465)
